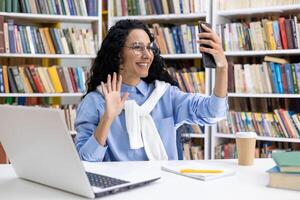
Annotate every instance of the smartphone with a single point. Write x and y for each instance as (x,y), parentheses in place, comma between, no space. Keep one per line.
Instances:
(207,59)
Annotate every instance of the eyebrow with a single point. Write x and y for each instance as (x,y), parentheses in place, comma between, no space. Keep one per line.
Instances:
(139,42)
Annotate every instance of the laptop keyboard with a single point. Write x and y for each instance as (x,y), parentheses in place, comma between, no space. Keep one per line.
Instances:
(101,181)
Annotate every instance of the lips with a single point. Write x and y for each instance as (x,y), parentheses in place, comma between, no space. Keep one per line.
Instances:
(142,64)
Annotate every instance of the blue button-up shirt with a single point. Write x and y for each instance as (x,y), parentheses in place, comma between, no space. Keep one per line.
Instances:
(172,110)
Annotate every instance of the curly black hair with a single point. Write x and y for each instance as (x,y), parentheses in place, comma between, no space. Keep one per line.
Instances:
(108,57)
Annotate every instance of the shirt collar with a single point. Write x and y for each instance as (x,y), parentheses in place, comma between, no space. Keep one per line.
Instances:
(142,87)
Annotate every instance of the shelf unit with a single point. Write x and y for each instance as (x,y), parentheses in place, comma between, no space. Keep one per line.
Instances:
(224,16)
(67,59)
(177,19)
(94,22)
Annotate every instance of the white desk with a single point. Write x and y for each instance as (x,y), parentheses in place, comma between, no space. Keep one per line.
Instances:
(249,183)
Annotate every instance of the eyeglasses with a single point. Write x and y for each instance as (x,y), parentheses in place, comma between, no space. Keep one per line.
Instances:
(139,48)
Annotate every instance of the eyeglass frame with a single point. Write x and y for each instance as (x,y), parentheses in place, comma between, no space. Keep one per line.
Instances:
(153,49)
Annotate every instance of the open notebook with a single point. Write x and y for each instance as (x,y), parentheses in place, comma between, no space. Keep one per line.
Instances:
(182,169)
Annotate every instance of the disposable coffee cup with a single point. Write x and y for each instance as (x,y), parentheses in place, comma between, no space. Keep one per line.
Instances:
(245,142)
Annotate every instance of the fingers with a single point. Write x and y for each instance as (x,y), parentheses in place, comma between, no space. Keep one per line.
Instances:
(208,50)
(211,35)
(206,28)
(119,83)
(108,83)
(114,82)
(209,43)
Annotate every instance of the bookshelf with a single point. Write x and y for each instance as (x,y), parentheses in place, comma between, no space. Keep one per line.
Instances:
(82,18)
(177,19)
(247,14)
(58,21)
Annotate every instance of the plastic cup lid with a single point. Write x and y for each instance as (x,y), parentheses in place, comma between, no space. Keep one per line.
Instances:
(246,135)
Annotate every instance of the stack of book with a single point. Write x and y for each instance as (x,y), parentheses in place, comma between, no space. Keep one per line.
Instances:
(286,174)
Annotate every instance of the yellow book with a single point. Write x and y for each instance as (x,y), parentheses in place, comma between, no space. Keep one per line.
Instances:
(201,79)
(55,79)
(49,40)
(270,35)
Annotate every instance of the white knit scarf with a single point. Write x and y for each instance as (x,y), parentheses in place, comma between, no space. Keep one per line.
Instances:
(140,125)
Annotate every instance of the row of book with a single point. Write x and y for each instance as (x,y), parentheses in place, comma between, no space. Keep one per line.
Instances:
(176,39)
(266,34)
(45,40)
(263,105)
(263,149)
(189,79)
(36,79)
(51,7)
(268,77)
(157,7)
(237,4)
(193,152)
(281,123)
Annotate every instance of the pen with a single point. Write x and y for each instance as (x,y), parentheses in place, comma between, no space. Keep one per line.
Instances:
(214,171)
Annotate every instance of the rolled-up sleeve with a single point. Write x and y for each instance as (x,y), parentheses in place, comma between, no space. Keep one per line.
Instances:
(88,115)
(197,108)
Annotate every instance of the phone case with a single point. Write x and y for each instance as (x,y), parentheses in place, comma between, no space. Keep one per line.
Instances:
(207,59)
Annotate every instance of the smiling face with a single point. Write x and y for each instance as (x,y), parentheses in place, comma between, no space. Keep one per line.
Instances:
(137,57)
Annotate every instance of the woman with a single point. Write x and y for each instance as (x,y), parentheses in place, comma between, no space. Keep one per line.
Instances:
(133,107)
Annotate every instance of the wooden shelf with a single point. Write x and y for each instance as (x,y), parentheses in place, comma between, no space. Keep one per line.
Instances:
(45,18)
(62,56)
(41,94)
(262,138)
(255,11)
(264,95)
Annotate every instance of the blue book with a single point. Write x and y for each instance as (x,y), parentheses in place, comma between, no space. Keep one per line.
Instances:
(90,6)
(194,36)
(181,6)
(71,6)
(80,79)
(23,40)
(180,37)
(11,38)
(21,101)
(26,40)
(55,42)
(279,78)
(274,78)
(57,36)
(277,34)
(175,39)
(289,78)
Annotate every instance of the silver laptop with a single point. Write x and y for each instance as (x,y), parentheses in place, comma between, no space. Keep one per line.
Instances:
(41,150)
